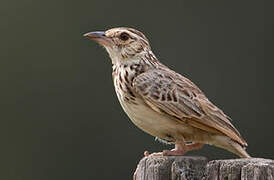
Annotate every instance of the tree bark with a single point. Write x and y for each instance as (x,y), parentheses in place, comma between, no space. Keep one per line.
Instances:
(196,168)
(242,169)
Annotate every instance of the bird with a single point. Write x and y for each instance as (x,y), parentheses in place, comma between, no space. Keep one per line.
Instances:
(162,102)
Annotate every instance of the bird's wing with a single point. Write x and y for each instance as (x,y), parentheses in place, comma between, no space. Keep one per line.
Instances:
(170,93)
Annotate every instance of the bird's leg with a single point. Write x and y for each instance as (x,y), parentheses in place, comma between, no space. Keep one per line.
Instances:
(180,149)
(194,146)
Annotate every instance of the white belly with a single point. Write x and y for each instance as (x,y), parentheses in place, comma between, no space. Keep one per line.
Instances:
(152,122)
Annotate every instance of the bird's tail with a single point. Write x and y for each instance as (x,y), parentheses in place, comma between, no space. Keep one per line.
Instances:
(232,146)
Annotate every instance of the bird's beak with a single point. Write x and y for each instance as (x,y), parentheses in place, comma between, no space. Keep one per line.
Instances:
(99,37)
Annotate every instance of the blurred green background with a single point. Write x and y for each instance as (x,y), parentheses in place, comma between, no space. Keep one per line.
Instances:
(60,118)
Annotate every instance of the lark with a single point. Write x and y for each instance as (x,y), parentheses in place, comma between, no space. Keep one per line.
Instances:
(162,102)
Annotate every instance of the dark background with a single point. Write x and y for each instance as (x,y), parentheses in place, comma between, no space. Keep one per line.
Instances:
(60,118)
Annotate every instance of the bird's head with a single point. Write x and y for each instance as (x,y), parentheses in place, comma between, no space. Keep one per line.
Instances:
(122,44)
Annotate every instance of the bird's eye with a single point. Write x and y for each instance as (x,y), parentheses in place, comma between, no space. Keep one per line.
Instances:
(124,36)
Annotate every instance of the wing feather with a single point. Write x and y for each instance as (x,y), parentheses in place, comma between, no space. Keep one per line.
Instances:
(170,93)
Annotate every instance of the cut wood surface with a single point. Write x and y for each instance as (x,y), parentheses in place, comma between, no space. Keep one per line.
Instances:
(196,168)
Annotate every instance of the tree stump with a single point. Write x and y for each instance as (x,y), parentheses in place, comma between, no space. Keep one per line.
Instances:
(197,168)
(171,167)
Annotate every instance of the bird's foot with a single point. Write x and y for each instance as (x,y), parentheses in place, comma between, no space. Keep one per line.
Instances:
(179,150)
(146,154)
(174,152)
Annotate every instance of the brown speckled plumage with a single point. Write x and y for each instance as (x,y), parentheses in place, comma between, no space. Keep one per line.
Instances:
(162,102)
